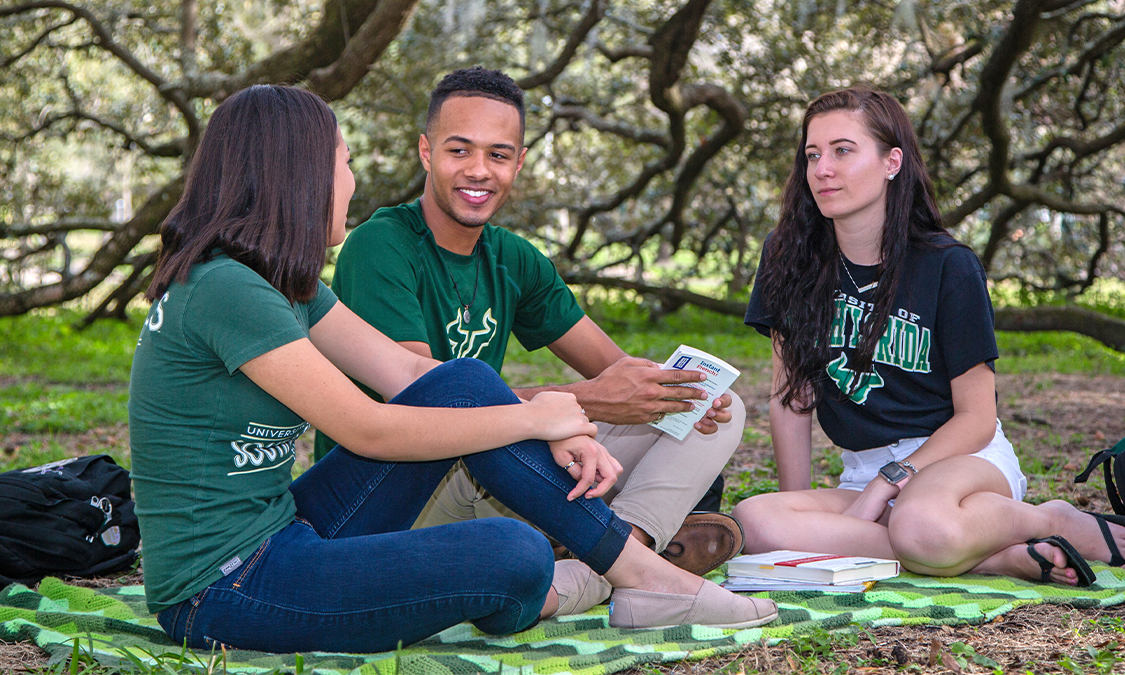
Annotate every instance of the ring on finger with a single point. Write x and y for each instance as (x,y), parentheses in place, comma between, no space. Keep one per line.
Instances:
(659,417)
(567,467)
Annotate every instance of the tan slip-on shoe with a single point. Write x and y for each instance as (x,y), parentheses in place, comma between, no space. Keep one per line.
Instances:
(705,541)
(578,586)
(711,606)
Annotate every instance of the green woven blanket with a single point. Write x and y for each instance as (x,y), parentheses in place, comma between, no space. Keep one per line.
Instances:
(113,626)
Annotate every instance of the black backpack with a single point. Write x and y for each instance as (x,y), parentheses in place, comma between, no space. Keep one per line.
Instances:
(68,518)
(1113,466)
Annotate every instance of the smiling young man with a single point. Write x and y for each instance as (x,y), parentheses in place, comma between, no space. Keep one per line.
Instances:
(436,277)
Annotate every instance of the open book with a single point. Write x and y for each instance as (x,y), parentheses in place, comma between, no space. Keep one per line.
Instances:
(720,376)
(815,567)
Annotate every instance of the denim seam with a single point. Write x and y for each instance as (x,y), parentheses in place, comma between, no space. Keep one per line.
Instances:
(250,563)
(190,623)
(553,479)
(447,596)
(350,510)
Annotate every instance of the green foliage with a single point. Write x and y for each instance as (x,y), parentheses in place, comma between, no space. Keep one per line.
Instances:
(746,484)
(31,407)
(819,645)
(46,345)
(139,661)
(1056,352)
(964,653)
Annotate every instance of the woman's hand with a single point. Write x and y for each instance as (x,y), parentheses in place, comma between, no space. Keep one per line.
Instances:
(872,501)
(588,463)
(559,416)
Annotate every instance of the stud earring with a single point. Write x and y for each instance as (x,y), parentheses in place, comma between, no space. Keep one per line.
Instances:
(892,176)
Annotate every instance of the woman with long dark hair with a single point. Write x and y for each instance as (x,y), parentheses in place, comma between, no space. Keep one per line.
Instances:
(244,348)
(881,323)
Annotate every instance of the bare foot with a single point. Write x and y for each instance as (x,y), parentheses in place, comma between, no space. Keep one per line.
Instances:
(1015,561)
(1082,531)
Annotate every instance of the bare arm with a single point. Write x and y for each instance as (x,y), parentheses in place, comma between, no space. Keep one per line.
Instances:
(791,433)
(620,389)
(973,423)
(970,429)
(305,380)
(351,344)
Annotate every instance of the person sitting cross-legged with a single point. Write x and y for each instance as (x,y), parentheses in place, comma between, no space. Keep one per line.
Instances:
(435,276)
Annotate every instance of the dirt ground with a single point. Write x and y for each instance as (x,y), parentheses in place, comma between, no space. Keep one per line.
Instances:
(1056,423)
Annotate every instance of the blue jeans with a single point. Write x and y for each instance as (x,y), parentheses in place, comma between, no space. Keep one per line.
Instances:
(349,575)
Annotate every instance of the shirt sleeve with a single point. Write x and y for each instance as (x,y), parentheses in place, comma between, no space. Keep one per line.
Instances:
(965,319)
(320,305)
(377,277)
(235,314)
(547,307)
(756,316)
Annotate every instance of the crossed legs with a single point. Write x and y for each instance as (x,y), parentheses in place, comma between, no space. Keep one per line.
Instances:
(954,516)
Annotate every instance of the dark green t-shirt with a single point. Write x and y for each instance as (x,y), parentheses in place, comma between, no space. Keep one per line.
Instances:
(393,274)
(211,451)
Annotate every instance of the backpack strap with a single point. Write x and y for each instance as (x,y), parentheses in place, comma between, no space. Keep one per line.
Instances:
(1113,466)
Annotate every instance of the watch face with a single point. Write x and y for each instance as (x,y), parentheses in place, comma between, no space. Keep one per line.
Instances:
(893,472)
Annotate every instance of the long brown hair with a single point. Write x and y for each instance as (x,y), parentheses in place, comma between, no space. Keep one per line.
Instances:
(802,260)
(259,189)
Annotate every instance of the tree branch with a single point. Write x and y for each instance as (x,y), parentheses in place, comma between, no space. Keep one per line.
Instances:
(577,112)
(618,54)
(36,42)
(594,14)
(1105,329)
(733,114)
(110,255)
(104,40)
(17,230)
(378,30)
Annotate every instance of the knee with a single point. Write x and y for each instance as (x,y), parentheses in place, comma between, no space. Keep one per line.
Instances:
(472,383)
(758,516)
(737,413)
(524,560)
(921,534)
(730,433)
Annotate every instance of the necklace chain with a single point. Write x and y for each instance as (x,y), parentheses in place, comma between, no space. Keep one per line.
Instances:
(868,287)
(465,315)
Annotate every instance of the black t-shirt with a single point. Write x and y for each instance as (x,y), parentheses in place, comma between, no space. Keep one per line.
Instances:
(941,325)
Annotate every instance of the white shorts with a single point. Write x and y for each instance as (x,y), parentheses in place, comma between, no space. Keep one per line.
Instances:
(860,468)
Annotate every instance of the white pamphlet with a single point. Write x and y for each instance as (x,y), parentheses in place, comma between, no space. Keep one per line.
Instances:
(720,376)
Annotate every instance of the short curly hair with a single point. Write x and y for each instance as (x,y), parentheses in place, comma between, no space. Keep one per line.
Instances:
(475,81)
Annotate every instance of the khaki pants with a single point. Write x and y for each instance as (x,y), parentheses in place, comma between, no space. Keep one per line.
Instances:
(661,480)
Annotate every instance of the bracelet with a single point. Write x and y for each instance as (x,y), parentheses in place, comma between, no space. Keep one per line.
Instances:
(913,469)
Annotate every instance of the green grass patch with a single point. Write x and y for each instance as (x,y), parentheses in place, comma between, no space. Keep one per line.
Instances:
(45,344)
(52,448)
(34,407)
(1056,352)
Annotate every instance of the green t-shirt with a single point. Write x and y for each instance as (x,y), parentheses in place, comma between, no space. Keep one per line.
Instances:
(211,451)
(393,274)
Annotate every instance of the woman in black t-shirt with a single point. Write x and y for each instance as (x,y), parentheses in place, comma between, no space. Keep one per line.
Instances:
(881,323)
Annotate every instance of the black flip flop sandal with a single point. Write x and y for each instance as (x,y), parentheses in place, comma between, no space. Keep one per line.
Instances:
(1073,560)
(1115,558)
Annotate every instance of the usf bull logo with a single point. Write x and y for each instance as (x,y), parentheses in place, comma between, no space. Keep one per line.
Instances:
(464,341)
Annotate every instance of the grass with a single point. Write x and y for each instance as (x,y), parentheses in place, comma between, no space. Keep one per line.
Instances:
(65,392)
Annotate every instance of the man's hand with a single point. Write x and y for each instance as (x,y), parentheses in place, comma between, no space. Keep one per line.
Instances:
(717,414)
(588,463)
(638,391)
